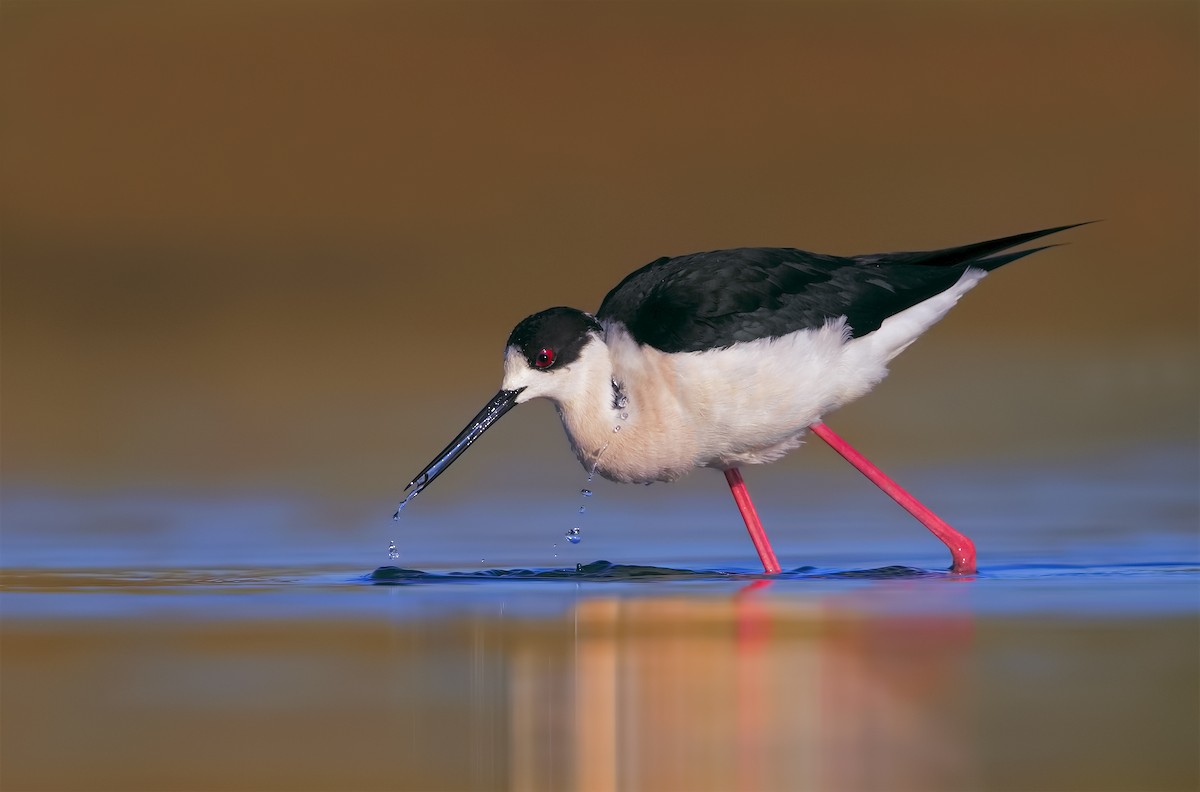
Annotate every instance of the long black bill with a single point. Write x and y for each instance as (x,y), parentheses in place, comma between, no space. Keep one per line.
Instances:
(501,403)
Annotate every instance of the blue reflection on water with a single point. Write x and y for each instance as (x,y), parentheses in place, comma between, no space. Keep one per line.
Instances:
(1111,535)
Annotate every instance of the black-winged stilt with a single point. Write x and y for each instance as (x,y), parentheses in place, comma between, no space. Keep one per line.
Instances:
(727,358)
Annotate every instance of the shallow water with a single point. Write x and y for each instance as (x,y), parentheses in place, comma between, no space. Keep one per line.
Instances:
(133,659)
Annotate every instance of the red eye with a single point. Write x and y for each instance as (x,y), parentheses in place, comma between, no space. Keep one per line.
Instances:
(544,359)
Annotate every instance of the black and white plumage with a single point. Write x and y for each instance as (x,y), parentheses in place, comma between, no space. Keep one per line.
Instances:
(725,358)
(710,300)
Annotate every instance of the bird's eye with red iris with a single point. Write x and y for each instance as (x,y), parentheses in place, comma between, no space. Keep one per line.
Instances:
(544,359)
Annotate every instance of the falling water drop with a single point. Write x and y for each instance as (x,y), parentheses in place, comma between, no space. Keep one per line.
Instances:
(596,464)
(393,551)
(587,493)
(582,509)
(617,428)
(573,536)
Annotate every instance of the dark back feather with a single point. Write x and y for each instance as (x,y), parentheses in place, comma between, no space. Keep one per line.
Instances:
(711,300)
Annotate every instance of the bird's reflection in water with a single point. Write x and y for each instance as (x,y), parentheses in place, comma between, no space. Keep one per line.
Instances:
(746,692)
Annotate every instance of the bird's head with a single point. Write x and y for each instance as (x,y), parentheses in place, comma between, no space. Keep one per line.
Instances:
(537,360)
(541,351)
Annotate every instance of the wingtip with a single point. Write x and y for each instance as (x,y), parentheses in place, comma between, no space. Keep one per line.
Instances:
(1057,229)
(1074,225)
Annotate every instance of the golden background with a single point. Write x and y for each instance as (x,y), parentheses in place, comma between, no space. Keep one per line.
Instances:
(261,244)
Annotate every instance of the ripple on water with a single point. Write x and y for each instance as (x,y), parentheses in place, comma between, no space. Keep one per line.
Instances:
(607,571)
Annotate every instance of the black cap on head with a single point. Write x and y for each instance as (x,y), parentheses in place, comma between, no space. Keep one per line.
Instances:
(553,338)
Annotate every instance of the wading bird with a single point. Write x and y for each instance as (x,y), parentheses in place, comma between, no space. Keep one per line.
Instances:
(727,358)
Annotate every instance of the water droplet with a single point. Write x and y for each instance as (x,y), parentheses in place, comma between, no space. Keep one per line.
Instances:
(393,552)
(573,536)
(624,416)
(587,493)
(582,509)
(596,463)
(622,402)
(617,428)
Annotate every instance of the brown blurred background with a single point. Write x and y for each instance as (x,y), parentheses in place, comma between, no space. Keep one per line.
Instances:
(261,244)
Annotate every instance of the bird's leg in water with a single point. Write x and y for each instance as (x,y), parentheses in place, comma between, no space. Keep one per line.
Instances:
(962,549)
(757,535)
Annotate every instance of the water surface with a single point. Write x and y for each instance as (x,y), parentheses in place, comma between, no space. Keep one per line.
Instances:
(1068,661)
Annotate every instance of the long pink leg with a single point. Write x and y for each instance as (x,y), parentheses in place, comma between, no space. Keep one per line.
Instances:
(757,535)
(962,549)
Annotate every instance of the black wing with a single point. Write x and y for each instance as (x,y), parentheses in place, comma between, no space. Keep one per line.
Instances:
(716,299)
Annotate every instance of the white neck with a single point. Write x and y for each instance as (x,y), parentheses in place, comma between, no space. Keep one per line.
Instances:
(582,393)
